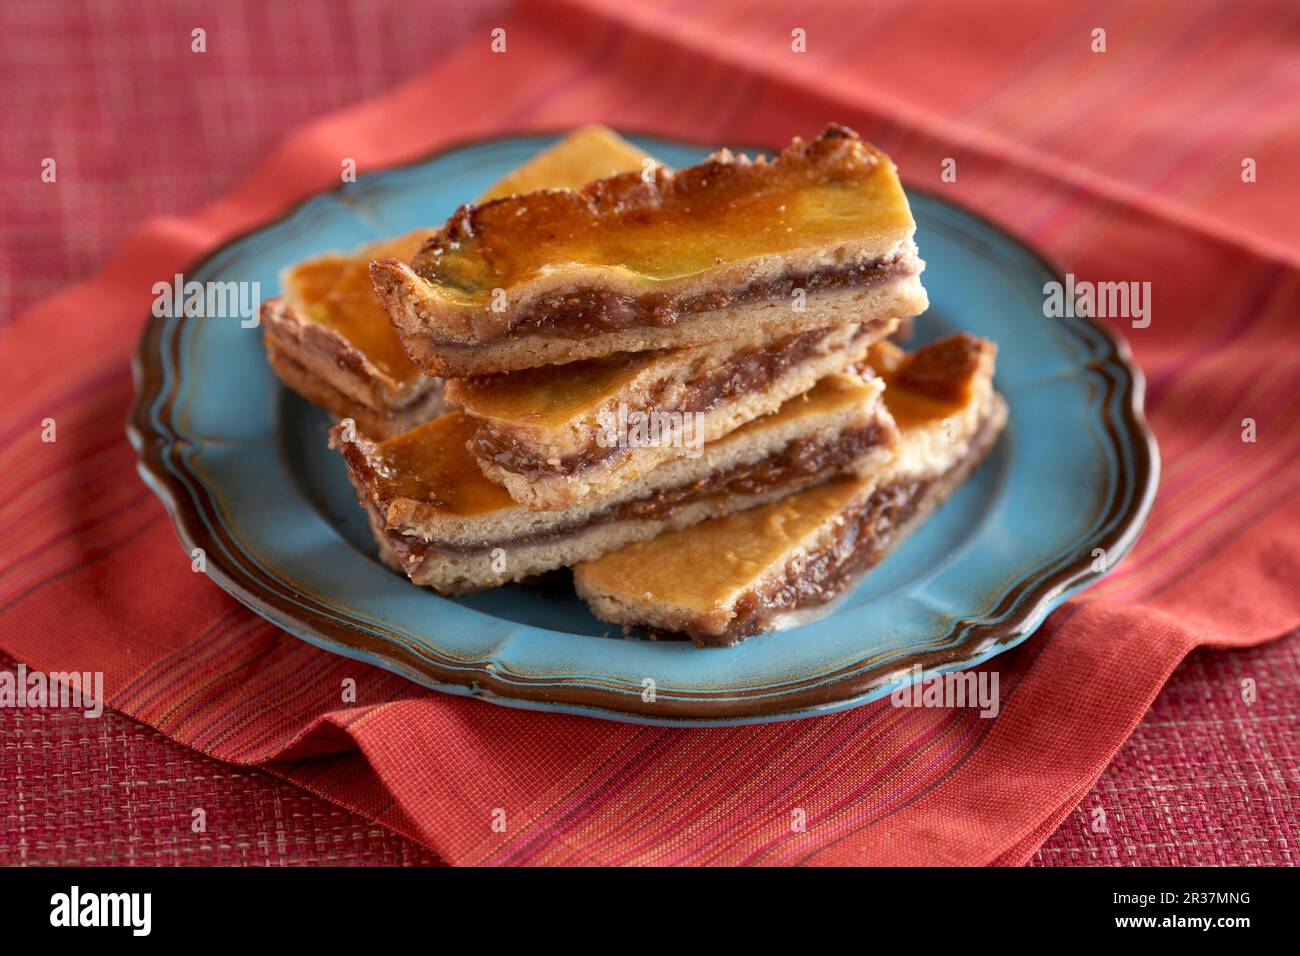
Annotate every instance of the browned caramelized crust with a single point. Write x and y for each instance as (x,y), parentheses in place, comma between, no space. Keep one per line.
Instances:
(637,261)
(427,465)
(936,381)
(335,292)
(945,370)
(667,226)
(589,312)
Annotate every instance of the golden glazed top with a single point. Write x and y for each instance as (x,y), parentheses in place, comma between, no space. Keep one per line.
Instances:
(590,152)
(430,464)
(550,395)
(814,196)
(934,382)
(706,568)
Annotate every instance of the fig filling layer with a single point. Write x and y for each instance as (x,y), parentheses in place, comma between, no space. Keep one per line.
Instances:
(751,372)
(593,311)
(800,462)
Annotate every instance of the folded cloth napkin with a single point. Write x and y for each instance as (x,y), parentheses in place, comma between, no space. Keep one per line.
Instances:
(92,576)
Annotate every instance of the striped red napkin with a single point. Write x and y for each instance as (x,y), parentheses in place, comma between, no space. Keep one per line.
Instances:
(1037,110)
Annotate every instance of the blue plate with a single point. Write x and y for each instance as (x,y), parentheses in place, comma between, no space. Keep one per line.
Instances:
(243,468)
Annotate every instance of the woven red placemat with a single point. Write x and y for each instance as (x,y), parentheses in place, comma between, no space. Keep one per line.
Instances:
(1206,779)
(116,93)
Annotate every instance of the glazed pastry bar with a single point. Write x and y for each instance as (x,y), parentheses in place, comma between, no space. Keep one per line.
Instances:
(438,520)
(734,248)
(727,579)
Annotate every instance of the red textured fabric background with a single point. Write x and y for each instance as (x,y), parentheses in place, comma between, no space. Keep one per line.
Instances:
(141,127)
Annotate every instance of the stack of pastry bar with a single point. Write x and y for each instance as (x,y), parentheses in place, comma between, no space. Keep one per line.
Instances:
(676,383)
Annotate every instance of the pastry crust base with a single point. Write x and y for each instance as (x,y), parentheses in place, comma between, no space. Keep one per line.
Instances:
(646,261)
(326,369)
